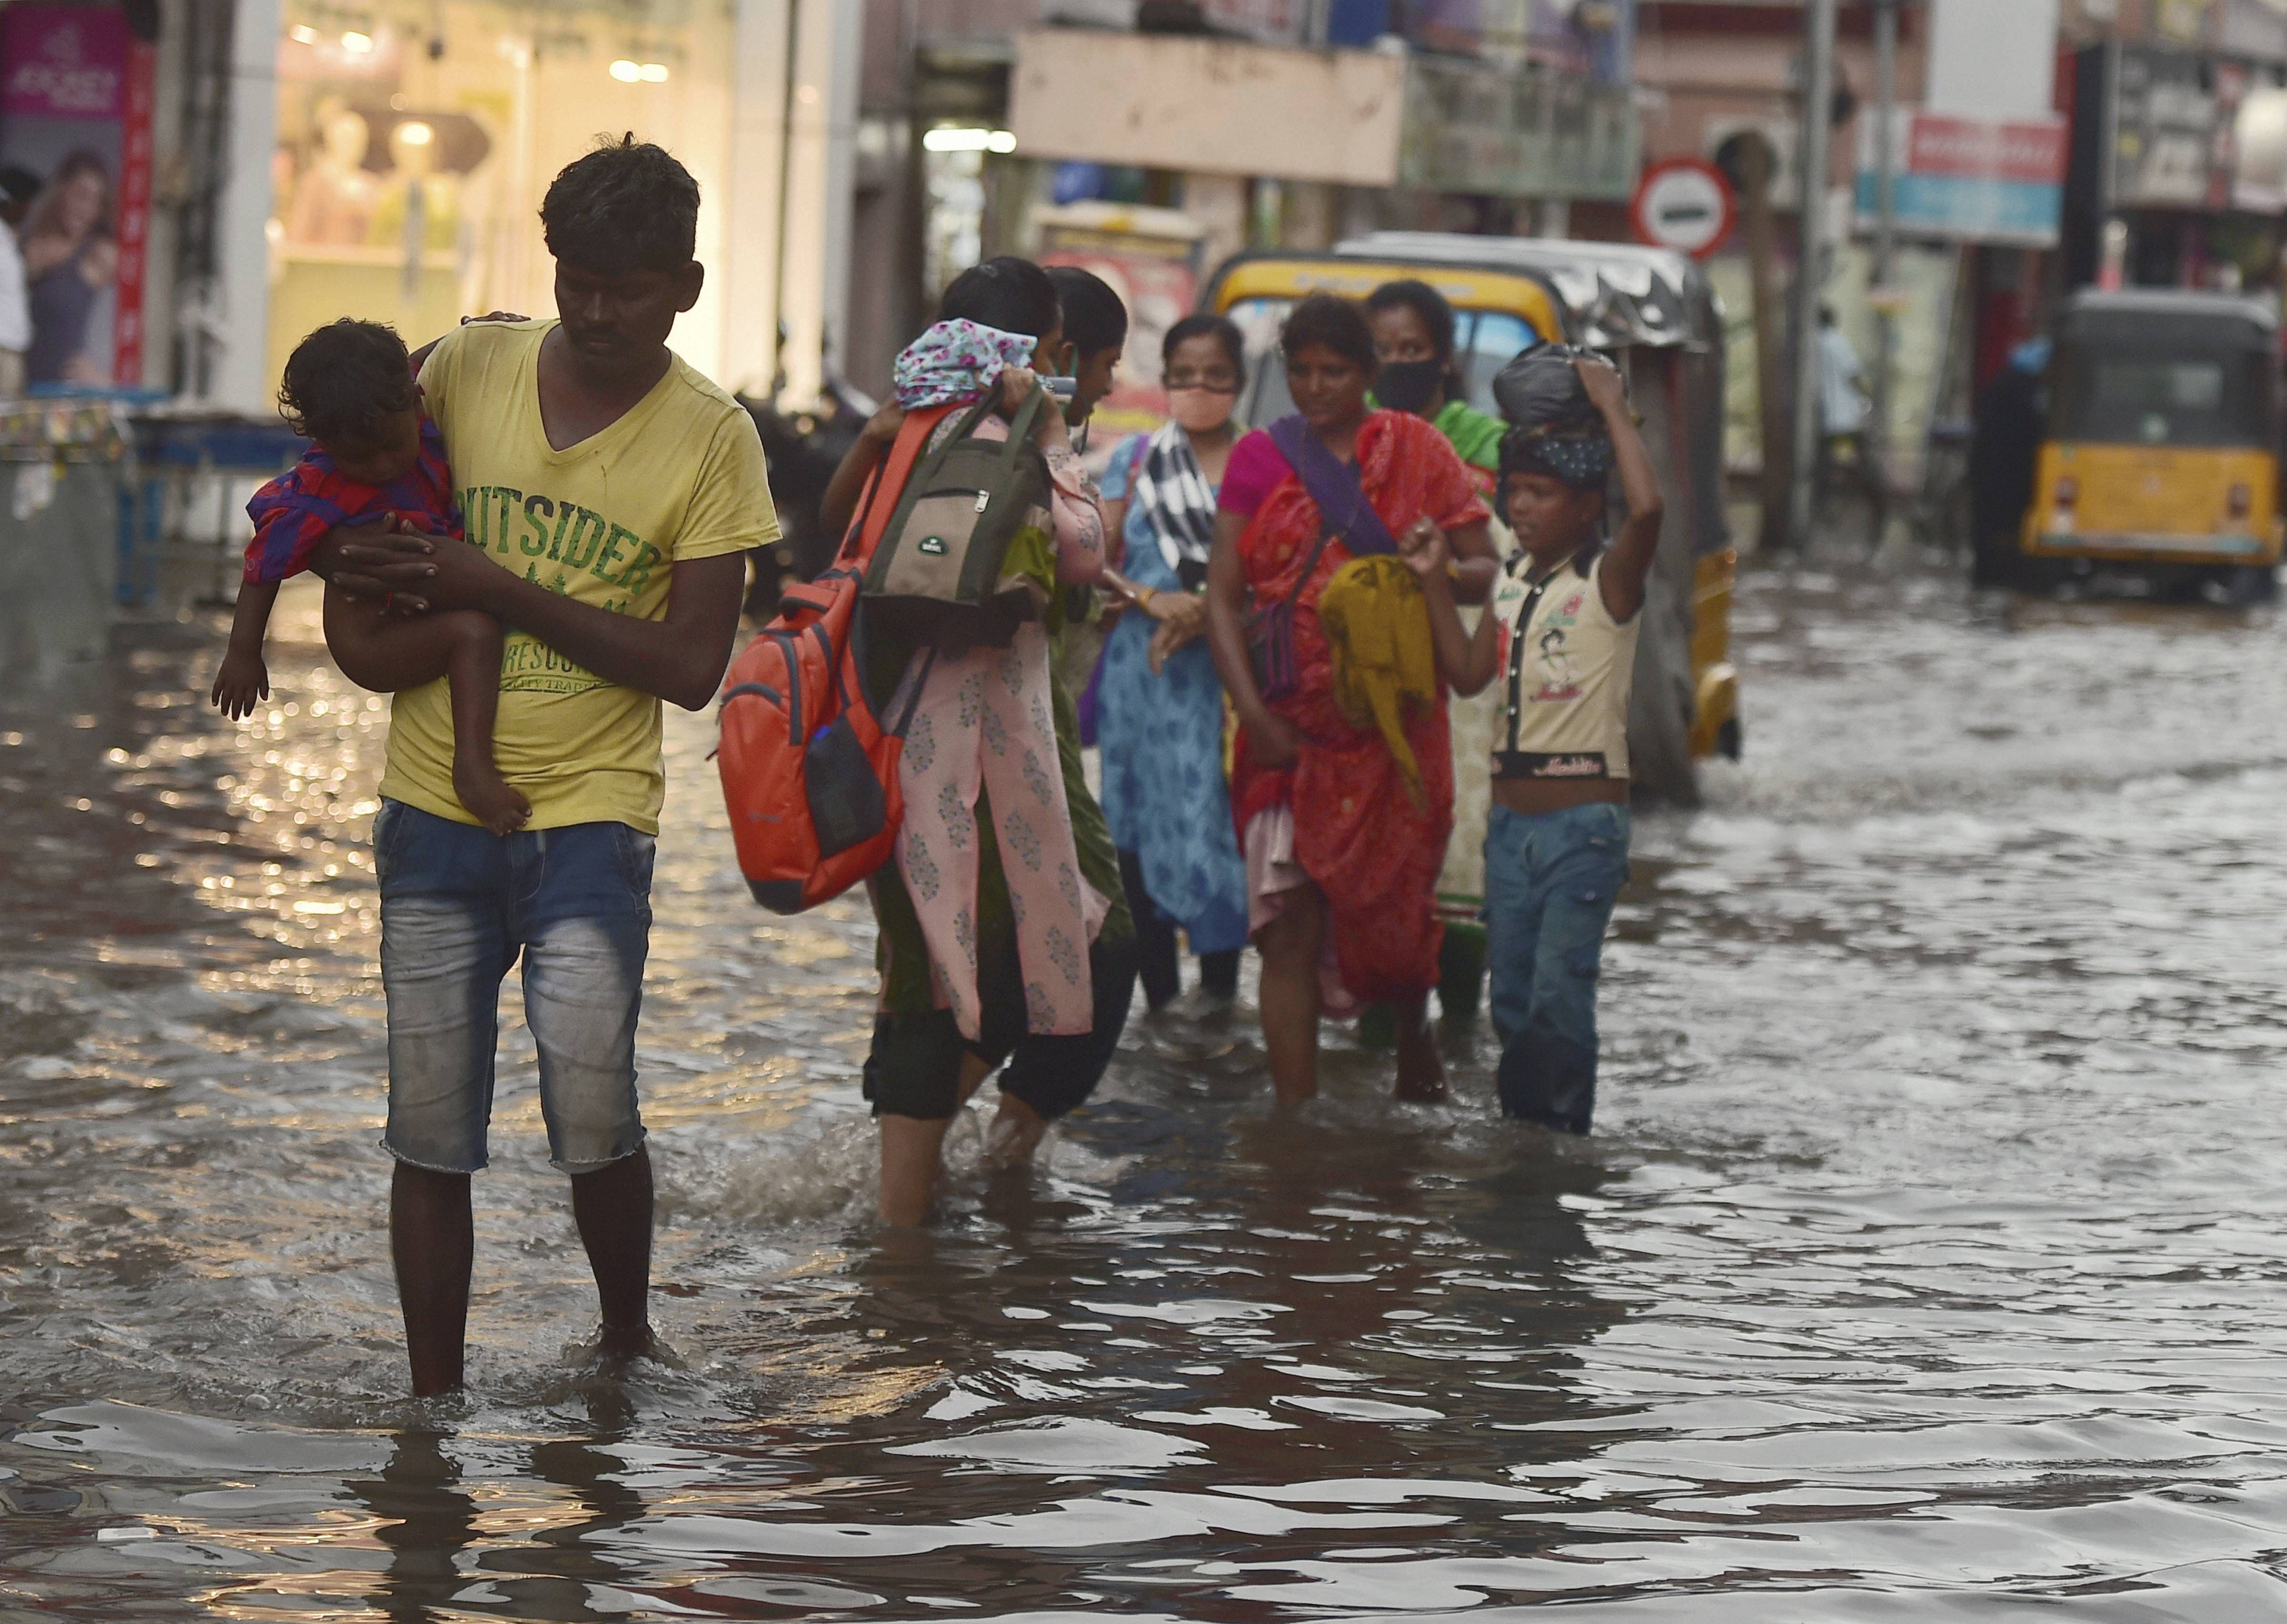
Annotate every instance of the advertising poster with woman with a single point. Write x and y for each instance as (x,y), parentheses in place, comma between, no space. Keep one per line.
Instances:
(74,110)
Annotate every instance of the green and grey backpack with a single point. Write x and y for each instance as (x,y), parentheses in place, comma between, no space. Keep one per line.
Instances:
(936,578)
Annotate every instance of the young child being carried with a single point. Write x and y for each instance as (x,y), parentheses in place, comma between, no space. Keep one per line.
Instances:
(1561,633)
(377,458)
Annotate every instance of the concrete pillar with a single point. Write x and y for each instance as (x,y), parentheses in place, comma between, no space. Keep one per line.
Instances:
(241,379)
(821,177)
(753,243)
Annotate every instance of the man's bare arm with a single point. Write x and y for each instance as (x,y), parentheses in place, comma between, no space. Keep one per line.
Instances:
(680,658)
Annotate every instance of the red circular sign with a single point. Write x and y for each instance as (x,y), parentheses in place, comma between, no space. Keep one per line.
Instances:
(1685,205)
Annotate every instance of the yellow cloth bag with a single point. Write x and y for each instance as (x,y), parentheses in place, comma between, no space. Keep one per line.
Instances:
(1377,625)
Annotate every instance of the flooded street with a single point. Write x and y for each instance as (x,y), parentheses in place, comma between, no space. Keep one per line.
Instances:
(1930,1262)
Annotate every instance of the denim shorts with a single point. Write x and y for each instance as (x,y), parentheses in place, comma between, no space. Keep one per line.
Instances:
(459,907)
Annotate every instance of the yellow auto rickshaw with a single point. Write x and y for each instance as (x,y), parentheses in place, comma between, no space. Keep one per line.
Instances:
(2162,446)
(1653,314)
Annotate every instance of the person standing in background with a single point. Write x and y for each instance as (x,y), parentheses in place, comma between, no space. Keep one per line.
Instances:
(1413,340)
(1096,333)
(1159,704)
(70,259)
(1095,336)
(18,187)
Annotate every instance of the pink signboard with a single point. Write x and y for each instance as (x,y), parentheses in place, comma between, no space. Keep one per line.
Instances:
(63,61)
(76,89)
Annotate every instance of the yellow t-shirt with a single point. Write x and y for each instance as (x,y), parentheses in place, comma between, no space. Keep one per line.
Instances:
(681,476)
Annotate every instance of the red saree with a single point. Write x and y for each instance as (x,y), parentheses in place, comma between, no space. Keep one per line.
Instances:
(1357,833)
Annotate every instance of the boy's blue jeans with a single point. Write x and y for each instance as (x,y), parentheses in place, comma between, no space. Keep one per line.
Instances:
(1550,883)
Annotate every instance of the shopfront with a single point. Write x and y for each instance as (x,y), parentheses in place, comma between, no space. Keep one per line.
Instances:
(2179,169)
(415,144)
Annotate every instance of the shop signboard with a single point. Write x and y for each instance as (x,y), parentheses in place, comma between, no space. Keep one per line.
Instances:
(1471,127)
(1150,256)
(77,93)
(1969,179)
(2171,129)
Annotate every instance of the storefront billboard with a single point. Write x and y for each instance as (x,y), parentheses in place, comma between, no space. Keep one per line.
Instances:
(1969,179)
(75,107)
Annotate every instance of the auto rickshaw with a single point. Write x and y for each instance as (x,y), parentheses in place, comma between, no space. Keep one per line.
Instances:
(2162,446)
(1652,312)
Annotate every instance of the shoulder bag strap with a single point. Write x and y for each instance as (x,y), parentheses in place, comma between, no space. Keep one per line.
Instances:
(1020,427)
(864,532)
(1334,486)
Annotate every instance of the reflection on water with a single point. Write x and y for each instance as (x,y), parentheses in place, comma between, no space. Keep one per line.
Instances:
(1928,1265)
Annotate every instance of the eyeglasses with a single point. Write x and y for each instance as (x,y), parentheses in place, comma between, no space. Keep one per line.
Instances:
(1222,384)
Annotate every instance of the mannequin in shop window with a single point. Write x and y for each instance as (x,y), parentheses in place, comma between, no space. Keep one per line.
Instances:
(335,202)
(420,211)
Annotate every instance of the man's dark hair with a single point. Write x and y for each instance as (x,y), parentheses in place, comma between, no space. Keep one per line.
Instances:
(1095,319)
(1014,295)
(1330,319)
(626,206)
(346,380)
(1425,302)
(1222,329)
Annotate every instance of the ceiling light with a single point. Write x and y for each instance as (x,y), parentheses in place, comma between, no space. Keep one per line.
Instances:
(626,72)
(415,133)
(357,44)
(968,140)
(303,34)
(654,73)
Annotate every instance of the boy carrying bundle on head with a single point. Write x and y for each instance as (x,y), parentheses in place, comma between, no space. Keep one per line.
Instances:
(1561,634)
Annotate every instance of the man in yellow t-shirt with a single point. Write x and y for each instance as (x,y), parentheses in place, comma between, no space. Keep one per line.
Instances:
(611,494)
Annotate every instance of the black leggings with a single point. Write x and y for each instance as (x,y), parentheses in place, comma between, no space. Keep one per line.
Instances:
(915,1068)
(1158,960)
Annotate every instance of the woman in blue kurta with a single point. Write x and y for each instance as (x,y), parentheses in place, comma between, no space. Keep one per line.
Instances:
(1160,707)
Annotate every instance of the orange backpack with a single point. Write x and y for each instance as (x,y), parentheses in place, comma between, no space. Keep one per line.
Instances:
(810,771)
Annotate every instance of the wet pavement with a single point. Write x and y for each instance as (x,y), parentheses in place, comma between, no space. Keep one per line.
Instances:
(1927,1264)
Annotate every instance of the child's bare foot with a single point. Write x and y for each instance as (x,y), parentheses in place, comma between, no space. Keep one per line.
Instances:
(491,799)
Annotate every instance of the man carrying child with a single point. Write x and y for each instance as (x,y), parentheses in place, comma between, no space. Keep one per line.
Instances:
(610,494)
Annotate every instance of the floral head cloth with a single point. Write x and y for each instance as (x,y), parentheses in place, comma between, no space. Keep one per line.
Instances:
(956,361)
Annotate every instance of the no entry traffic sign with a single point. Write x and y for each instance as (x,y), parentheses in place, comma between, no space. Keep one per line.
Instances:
(1684,204)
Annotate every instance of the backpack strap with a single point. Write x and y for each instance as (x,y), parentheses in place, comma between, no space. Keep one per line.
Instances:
(873,517)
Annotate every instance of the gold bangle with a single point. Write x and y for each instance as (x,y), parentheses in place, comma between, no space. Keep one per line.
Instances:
(1144,594)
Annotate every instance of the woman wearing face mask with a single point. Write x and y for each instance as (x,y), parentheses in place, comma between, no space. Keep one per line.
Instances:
(1413,340)
(1158,699)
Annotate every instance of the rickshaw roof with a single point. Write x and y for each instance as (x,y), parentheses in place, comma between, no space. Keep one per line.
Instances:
(1614,294)
(1291,274)
(2097,308)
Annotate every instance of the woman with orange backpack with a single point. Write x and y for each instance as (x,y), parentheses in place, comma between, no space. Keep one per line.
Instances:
(1005,937)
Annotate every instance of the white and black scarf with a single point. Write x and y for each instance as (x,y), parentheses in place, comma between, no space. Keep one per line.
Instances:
(1176,500)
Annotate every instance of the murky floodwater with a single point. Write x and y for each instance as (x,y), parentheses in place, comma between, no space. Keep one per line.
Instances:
(1929,1264)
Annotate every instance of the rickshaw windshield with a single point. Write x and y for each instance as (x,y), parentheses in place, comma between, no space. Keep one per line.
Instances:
(1484,341)
(2120,394)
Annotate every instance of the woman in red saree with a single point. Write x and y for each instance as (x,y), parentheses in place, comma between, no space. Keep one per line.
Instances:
(1341,857)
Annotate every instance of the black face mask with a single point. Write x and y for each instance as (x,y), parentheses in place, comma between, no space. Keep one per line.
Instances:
(1409,385)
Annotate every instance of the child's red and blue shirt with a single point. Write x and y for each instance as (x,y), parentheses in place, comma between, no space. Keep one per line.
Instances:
(294,511)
